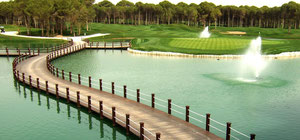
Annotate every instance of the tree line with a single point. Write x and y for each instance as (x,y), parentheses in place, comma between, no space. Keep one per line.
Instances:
(59,16)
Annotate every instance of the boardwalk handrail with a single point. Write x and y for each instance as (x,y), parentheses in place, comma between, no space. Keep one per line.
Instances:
(120,118)
(84,100)
(182,111)
(34,50)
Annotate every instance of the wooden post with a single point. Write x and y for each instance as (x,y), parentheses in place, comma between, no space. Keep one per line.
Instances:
(207,121)
(90,81)
(113,115)
(153,100)
(78,99)
(38,51)
(57,75)
(68,95)
(47,90)
(70,76)
(47,50)
(187,113)
(100,82)
(56,91)
(89,104)
(113,87)
(138,95)
(7,52)
(30,81)
(169,106)
(18,73)
(29,51)
(127,124)
(228,131)
(157,136)
(38,83)
(125,94)
(19,52)
(23,75)
(252,136)
(101,109)
(142,131)
(32,52)
(63,74)
(79,82)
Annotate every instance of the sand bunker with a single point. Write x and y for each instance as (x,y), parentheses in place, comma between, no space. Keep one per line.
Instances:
(234,33)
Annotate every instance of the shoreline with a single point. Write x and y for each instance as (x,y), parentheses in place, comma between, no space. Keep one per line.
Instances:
(284,55)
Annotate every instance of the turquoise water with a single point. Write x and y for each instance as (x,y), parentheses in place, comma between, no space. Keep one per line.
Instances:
(30,115)
(268,107)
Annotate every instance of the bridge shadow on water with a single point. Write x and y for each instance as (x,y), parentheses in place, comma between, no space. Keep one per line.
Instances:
(72,112)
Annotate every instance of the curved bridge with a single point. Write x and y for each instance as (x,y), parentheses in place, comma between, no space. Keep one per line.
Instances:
(139,119)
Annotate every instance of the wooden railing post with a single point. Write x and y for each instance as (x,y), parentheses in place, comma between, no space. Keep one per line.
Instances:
(187,113)
(252,136)
(101,109)
(157,136)
(228,130)
(68,95)
(79,82)
(30,81)
(23,75)
(127,124)
(56,91)
(113,115)
(47,50)
(47,89)
(38,51)
(70,76)
(78,99)
(207,121)
(57,75)
(19,52)
(169,106)
(100,82)
(125,94)
(113,87)
(153,100)
(138,95)
(7,52)
(142,131)
(38,83)
(63,74)
(89,104)
(90,81)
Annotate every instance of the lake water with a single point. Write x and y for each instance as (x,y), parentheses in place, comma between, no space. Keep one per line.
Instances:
(268,107)
(28,115)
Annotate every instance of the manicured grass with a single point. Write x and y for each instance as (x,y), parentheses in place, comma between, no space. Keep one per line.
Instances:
(184,39)
(20,42)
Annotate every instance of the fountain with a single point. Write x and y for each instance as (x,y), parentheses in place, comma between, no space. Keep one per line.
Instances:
(205,33)
(253,59)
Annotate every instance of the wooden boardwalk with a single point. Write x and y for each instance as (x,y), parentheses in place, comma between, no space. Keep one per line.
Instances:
(170,127)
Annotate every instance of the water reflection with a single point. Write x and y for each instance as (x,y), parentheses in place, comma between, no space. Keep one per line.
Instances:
(106,130)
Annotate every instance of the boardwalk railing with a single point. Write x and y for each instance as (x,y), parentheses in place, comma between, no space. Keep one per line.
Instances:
(32,51)
(37,51)
(120,118)
(108,45)
(184,112)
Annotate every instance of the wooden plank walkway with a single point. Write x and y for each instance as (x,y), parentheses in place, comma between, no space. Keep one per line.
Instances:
(170,127)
